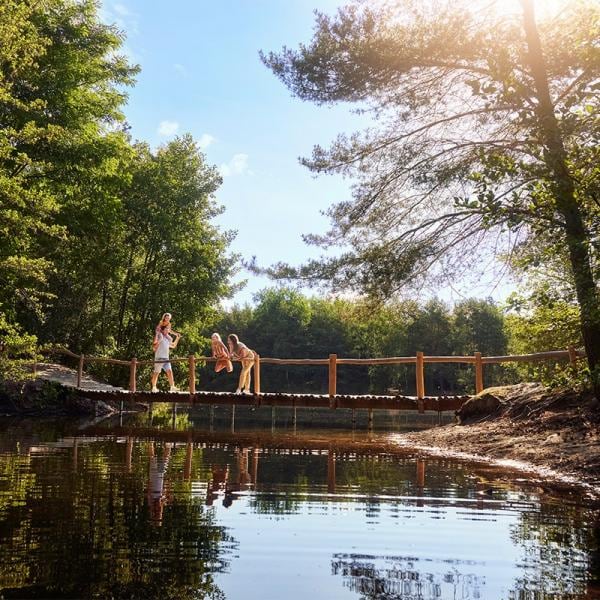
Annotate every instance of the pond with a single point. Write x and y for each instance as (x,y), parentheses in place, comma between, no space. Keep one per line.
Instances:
(181,506)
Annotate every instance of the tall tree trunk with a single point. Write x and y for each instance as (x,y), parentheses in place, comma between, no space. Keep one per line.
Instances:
(124,293)
(576,236)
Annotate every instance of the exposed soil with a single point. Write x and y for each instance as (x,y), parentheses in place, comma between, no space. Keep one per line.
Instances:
(555,433)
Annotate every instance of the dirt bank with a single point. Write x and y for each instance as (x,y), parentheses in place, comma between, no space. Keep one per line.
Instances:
(555,433)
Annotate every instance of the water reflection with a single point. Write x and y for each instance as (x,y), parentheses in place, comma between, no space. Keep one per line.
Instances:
(404,577)
(138,512)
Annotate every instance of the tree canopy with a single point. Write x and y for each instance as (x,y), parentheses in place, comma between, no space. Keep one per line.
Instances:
(484,141)
(100,234)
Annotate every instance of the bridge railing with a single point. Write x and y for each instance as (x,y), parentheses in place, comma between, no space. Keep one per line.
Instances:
(571,354)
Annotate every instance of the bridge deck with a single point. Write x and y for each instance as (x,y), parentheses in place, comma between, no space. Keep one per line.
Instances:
(430,403)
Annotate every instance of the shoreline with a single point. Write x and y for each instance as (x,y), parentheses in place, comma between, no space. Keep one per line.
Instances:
(554,434)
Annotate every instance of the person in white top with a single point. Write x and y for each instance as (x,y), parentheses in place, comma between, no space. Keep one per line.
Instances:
(163,342)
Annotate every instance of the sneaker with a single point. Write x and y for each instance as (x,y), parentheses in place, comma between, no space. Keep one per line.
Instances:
(154,389)
(174,389)
(247,392)
(238,391)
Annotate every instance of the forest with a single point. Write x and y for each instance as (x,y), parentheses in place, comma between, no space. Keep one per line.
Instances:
(102,233)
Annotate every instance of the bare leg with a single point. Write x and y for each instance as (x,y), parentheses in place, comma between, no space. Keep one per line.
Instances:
(154,379)
(246,373)
(170,378)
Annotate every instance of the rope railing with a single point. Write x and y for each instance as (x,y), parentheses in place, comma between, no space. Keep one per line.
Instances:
(571,354)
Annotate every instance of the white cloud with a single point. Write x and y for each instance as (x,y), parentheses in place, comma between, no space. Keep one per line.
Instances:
(168,128)
(118,14)
(238,165)
(180,69)
(205,141)
(122,10)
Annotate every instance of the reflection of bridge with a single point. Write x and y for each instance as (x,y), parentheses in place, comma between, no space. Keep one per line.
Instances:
(421,402)
(250,447)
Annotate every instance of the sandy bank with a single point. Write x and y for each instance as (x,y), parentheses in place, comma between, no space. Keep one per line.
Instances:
(553,433)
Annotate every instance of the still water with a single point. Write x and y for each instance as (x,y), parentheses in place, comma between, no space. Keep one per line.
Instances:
(180,509)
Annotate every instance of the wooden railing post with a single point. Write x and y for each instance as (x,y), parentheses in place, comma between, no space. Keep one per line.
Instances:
(80,370)
(478,373)
(572,357)
(133,375)
(332,374)
(257,373)
(192,373)
(420,376)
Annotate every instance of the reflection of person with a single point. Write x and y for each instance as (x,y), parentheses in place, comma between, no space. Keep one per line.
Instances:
(221,353)
(220,474)
(246,356)
(156,483)
(221,480)
(162,345)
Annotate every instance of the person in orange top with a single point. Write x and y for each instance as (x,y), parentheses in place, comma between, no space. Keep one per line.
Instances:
(221,353)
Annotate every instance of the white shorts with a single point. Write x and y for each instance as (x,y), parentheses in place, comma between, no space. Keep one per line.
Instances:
(160,366)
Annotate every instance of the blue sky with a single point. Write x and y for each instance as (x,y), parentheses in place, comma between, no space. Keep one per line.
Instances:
(201,74)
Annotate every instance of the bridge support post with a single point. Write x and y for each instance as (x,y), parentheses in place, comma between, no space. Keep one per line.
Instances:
(420,376)
(80,370)
(132,374)
(192,373)
(478,373)
(257,374)
(370,424)
(332,375)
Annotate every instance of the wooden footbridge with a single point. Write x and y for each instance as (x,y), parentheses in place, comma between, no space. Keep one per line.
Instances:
(420,403)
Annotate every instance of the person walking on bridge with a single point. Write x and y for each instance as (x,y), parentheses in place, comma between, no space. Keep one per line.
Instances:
(246,357)
(163,342)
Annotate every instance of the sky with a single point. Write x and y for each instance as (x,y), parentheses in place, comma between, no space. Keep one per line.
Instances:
(201,74)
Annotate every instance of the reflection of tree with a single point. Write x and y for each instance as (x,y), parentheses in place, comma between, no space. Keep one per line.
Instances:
(403,578)
(162,417)
(296,475)
(88,533)
(556,540)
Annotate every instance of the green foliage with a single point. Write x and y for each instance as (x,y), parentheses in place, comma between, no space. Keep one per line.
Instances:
(17,351)
(484,141)
(128,260)
(99,235)
(286,324)
(541,323)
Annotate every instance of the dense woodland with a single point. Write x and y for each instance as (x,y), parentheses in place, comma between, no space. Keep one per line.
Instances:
(100,233)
